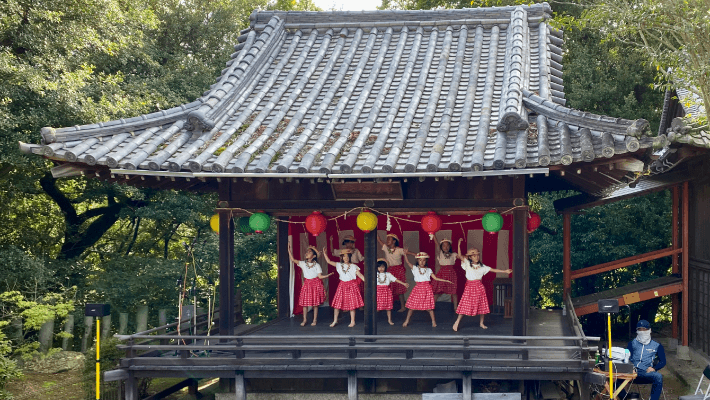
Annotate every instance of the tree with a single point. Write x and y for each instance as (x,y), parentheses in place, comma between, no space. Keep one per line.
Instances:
(672,34)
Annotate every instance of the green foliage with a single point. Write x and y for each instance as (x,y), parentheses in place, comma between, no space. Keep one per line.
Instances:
(8,367)
(255,272)
(110,358)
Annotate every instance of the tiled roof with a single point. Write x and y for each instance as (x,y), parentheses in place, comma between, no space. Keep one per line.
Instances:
(678,130)
(369,92)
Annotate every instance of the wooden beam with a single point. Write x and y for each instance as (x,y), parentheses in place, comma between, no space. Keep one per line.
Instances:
(240,388)
(304,207)
(520,255)
(685,271)
(226,267)
(675,300)
(352,385)
(642,296)
(283,272)
(567,256)
(466,385)
(371,283)
(624,262)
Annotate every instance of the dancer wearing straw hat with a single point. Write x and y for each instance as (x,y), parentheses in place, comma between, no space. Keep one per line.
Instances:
(356,257)
(422,296)
(394,255)
(347,296)
(474,300)
(312,291)
(446,260)
(384,293)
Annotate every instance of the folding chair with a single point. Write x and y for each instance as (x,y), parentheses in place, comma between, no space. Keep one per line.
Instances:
(699,395)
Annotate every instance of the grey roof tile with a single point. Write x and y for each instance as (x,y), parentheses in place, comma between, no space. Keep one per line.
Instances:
(362,92)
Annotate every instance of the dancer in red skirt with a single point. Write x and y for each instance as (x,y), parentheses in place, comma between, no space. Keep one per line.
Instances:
(347,296)
(312,291)
(422,296)
(446,260)
(474,301)
(394,255)
(357,258)
(384,293)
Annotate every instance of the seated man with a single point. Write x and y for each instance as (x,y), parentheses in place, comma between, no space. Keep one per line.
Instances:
(643,353)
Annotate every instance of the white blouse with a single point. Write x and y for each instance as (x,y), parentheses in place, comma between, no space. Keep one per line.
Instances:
(421,277)
(312,272)
(395,257)
(346,271)
(474,273)
(355,257)
(446,261)
(385,278)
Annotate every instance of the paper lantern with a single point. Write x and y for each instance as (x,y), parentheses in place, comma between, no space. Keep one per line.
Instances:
(367,221)
(534,221)
(214,223)
(315,223)
(431,223)
(259,222)
(492,222)
(243,225)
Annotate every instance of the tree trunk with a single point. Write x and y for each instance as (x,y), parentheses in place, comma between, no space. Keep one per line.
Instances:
(46,336)
(88,331)
(68,328)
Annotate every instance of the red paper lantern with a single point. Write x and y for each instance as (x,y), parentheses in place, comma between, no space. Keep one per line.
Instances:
(534,221)
(315,223)
(431,223)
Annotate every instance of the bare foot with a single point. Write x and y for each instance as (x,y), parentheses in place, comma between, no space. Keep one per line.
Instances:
(334,323)
(433,324)
(402,309)
(351,324)
(483,326)
(405,324)
(391,323)
(303,323)
(456,327)
(314,323)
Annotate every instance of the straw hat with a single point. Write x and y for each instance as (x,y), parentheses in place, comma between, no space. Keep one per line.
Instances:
(471,252)
(346,251)
(350,238)
(392,235)
(383,260)
(314,248)
(444,240)
(422,254)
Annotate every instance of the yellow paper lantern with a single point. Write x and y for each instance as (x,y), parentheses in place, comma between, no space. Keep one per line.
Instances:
(214,223)
(367,221)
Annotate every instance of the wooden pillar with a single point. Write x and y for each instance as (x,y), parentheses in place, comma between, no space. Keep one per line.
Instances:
(240,388)
(520,256)
(675,300)
(131,387)
(284,271)
(686,256)
(466,386)
(352,385)
(371,283)
(226,270)
(567,256)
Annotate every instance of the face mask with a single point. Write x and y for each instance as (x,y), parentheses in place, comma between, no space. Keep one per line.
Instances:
(644,337)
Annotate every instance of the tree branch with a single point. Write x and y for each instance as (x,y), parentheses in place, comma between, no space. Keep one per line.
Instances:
(49,185)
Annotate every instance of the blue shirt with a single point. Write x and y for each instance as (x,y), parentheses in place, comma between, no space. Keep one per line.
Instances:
(642,356)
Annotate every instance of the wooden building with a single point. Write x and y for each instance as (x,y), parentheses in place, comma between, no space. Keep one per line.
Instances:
(403,112)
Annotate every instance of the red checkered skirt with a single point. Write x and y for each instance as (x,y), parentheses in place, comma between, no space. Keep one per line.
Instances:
(398,272)
(446,272)
(347,297)
(473,301)
(312,293)
(384,297)
(422,297)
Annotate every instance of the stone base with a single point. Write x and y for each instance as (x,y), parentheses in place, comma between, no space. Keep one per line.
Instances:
(683,353)
(319,396)
(672,344)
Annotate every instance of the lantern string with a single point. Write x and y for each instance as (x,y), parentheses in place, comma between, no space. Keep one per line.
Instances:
(396,218)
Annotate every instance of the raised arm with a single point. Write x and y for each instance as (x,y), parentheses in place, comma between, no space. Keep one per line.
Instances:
(327,259)
(290,254)
(406,259)
(409,253)
(502,271)
(458,254)
(380,241)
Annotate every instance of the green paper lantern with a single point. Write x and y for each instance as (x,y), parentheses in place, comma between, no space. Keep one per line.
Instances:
(243,224)
(492,222)
(259,222)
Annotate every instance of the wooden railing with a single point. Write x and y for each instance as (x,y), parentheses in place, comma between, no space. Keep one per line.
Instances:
(147,352)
